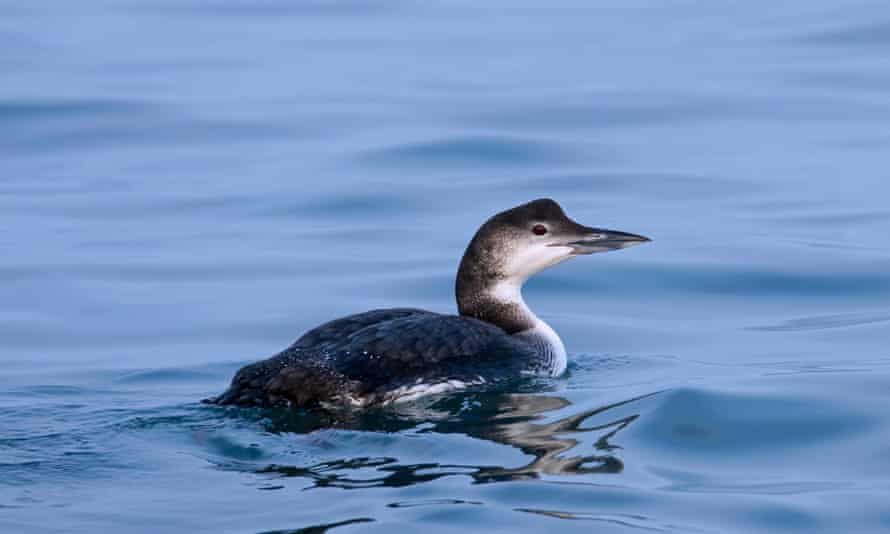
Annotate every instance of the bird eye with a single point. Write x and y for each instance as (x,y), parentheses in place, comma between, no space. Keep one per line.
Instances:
(539,229)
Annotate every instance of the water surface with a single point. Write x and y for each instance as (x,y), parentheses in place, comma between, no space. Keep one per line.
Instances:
(189,185)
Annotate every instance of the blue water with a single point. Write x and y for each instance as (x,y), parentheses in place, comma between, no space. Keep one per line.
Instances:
(189,185)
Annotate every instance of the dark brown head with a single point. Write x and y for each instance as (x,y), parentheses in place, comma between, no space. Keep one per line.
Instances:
(517,243)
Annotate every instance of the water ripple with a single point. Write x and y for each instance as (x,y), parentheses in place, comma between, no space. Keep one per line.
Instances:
(322,528)
(632,522)
(873,34)
(51,126)
(468,151)
(826,321)
(700,422)
(192,181)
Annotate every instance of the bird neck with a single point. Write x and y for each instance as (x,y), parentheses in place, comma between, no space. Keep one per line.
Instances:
(494,299)
(484,293)
(502,304)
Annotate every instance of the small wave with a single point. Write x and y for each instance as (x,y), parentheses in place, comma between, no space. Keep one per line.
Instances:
(825,322)
(59,125)
(727,280)
(698,421)
(631,521)
(322,528)
(430,502)
(470,151)
(32,109)
(153,376)
(875,34)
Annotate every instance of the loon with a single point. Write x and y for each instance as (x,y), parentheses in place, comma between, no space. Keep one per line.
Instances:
(398,354)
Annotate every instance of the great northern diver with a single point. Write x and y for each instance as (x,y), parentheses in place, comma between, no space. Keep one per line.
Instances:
(382,356)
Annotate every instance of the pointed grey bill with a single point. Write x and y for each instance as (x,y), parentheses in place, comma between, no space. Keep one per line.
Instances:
(601,240)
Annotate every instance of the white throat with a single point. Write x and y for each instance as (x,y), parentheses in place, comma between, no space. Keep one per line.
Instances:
(510,292)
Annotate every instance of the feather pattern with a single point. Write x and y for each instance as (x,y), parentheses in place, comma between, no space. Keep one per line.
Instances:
(361,359)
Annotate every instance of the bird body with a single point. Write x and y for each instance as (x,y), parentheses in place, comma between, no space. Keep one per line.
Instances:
(388,355)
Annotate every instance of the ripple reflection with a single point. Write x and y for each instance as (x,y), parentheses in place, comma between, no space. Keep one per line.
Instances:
(515,420)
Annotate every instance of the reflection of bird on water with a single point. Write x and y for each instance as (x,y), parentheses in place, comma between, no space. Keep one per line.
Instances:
(548,441)
(512,420)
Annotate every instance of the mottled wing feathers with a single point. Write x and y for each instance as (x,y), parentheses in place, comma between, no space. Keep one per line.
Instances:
(365,355)
(417,346)
(339,329)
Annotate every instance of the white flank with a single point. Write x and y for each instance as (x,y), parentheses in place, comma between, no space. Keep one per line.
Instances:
(411,393)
